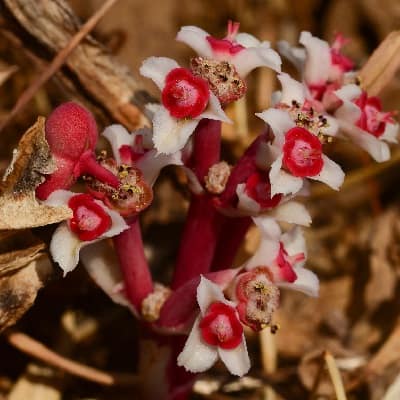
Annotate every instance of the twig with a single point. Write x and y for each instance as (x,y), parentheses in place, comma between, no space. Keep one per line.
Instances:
(318,377)
(58,61)
(241,122)
(39,351)
(268,359)
(335,376)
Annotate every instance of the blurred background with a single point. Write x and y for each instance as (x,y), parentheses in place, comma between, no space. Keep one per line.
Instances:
(353,244)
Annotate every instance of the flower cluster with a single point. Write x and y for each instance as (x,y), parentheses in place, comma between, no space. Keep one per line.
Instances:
(207,298)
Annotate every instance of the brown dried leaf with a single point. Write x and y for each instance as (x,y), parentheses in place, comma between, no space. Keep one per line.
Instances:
(17,249)
(18,205)
(37,382)
(6,71)
(383,64)
(18,291)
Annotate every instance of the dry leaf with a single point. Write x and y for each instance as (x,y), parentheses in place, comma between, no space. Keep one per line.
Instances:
(18,205)
(18,291)
(36,383)
(17,249)
(382,66)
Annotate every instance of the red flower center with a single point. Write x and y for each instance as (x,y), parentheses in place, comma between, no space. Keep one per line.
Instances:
(302,153)
(220,326)
(224,46)
(258,188)
(372,119)
(227,45)
(89,219)
(185,95)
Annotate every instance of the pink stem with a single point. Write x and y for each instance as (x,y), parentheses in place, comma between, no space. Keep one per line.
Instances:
(198,242)
(207,147)
(234,230)
(133,263)
(87,164)
(202,225)
(232,235)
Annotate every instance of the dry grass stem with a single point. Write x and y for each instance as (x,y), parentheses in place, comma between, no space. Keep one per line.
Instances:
(37,350)
(335,376)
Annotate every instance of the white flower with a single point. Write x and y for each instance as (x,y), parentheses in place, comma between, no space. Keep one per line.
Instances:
(89,217)
(348,115)
(284,182)
(218,323)
(149,163)
(242,50)
(170,133)
(284,256)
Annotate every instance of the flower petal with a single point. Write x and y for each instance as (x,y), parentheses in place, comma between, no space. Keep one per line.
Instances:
(175,314)
(236,360)
(197,356)
(268,249)
(102,265)
(307,282)
(348,111)
(331,174)
(296,55)
(171,134)
(390,133)
(65,247)
(332,127)
(281,181)
(157,68)
(118,224)
(117,136)
(294,242)
(268,226)
(292,212)
(291,90)
(208,292)
(247,40)
(214,110)
(196,38)
(377,149)
(264,255)
(318,61)
(253,57)
(59,198)
(279,121)
(152,163)
(246,203)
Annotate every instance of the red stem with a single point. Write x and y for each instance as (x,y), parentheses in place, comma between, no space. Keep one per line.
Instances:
(207,147)
(133,263)
(232,235)
(202,225)
(234,230)
(87,164)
